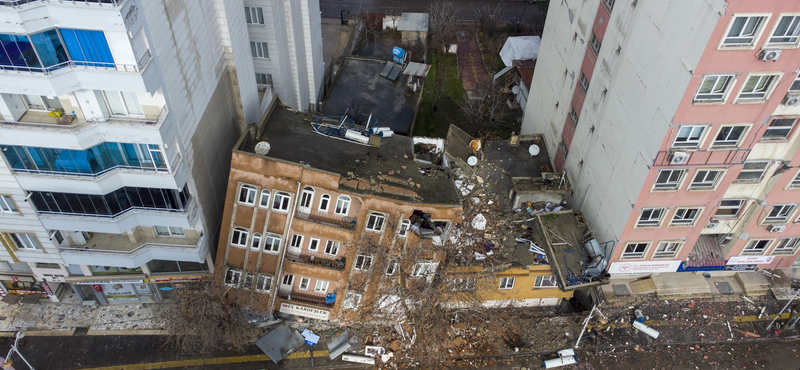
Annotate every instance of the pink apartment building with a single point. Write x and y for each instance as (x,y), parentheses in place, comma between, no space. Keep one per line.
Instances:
(676,123)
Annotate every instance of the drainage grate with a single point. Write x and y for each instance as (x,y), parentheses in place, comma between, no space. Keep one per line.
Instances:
(724,287)
(81,330)
(621,290)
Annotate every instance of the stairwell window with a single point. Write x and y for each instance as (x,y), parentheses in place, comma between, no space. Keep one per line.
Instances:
(669,179)
(729,208)
(756,247)
(787,32)
(786,246)
(573,115)
(729,136)
(584,82)
(650,217)
(239,237)
(705,179)
(780,213)
(259,50)
(752,171)
(342,205)
(634,250)
(757,88)
(247,195)
(263,79)
(689,136)
(685,217)
(594,43)
(7,205)
(545,282)
(779,129)
(667,250)
(743,31)
(280,202)
(253,15)
(375,222)
(714,88)
(609,4)
(272,243)
(507,283)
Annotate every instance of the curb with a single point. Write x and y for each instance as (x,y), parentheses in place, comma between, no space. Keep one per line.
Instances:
(41,333)
(127,332)
(71,332)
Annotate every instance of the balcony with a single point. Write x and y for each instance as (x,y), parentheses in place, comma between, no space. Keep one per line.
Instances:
(41,120)
(120,251)
(31,3)
(310,297)
(318,259)
(342,222)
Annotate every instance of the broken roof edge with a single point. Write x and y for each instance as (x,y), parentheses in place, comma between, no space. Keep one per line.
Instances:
(555,266)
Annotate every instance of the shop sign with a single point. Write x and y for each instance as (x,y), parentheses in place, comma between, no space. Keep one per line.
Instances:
(96,282)
(17,278)
(20,291)
(750,260)
(54,278)
(313,313)
(164,279)
(642,267)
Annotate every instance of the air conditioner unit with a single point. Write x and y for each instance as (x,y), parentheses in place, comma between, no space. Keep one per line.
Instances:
(776,228)
(792,99)
(679,158)
(712,224)
(769,54)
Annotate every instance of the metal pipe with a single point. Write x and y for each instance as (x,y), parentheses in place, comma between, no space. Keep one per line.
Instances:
(783,309)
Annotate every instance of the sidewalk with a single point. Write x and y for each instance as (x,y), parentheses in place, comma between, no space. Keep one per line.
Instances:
(48,318)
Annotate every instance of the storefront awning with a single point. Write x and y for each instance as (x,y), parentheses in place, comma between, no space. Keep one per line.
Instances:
(106,279)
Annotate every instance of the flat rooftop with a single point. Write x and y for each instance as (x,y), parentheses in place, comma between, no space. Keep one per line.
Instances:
(391,166)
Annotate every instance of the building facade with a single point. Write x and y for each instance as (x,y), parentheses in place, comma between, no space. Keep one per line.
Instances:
(117,121)
(676,124)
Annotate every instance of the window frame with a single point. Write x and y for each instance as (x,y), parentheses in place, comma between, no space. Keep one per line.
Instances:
(304,283)
(682,221)
(763,171)
(247,191)
(169,232)
(379,221)
(332,245)
(351,300)
(422,269)
(573,115)
(756,34)
(595,44)
(7,204)
(251,12)
(263,283)
(794,242)
(346,201)
(248,281)
(264,79)
(259,50)
(663,254)
(539,282)
(321,282)
(787,210)
(584,82)
(785,45)
(770,127)
(298,240)
(748,251)
(669,185)
(307,196)
(363,262)
(25,241)
(324,199)
(742,205)
(464,284)
(693,185)
(235,277)
(262,198)
(632,255)
(689,143)
(242,232)
(759,95)
(285,200)
(255,241)
(266,238)
(711,96)
(728,145)
(402,230)
(391,267)
(649,221)
(504,283)
(795,182)
(609,4)
(315,243)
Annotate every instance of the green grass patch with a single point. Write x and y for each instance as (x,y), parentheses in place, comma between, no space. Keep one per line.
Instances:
(443,91)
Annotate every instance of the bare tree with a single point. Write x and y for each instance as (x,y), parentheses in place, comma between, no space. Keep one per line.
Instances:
(486,14)
(442,24)
(482,106)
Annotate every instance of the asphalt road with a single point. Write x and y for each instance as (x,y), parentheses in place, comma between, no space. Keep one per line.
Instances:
(513,9)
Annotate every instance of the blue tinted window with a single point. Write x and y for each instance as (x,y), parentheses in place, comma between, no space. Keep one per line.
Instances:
(49,47)
(88,46)
(16,51)
(92,161)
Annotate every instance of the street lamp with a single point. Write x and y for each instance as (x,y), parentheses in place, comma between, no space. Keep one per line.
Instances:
(7,361)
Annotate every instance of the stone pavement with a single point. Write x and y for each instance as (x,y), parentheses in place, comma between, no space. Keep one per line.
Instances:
(66,317)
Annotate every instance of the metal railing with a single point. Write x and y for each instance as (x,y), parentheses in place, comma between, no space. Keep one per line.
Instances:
(703,157)
(312,298)
(71,65)
(342,222)
(318,259)
(135,250)
(97,121)
(185,209)
(162,170)
(16,3)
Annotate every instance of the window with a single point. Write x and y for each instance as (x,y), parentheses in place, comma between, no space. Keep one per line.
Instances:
(756,247)
(280,201)
(342,205)
(351,300)
(729,136)
(232,277)
(304,282)
(321,286)
(25,241)
(272,243)
(331,248)
(7,205)
(313,245)
(786,246)
(391,267)
(787,30)
(248,281)
(713,88)
(564,148)
(324,202)
(461,284)
(253,15)
(264,283)
(239,237)
(584,82)
(573,115)
(609,4)
(685,216)
(403,230)
(363,262)
(752,171)
(169,231)
(634,250)
(112,204)
(123,103)
(424,268)
(779,129)
(247,195)
(780,212)
(507,283)
(375,222)
(795,182)
(264,201)
(689,136)
(306,198)
(256,243)
(743,31)
(545,282)
(729,207)
(650,217)
(48,266)
(93,161)
(263,79)
(705,179)
(666,250)
(259,50)
(595,44)
(757,87)
(669,179)
(795,85)
(296,242)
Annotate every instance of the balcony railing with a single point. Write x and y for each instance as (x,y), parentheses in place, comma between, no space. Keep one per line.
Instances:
(32,3)
(342,222)
(70,65)
(83,125)
(701,157)
(310,297)
(121,245)
(318,259)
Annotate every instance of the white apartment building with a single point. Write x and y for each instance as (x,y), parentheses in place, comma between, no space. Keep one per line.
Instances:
(121,196)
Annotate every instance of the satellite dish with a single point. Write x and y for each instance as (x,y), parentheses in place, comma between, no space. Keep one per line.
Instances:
(262,148)
(472,160)
(533,149)
(475,145)
(515,90)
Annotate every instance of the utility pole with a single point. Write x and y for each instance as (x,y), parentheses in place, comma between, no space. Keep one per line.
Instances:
(7,361)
